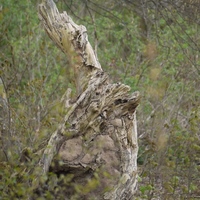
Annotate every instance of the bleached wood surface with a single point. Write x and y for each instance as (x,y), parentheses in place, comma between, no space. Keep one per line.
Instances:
(98,136)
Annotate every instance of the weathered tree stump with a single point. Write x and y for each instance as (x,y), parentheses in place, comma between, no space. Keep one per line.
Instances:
(97,141)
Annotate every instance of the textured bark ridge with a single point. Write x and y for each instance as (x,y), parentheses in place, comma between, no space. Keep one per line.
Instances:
(97,141)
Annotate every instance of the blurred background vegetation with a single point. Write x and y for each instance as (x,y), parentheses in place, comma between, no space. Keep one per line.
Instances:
(152,46)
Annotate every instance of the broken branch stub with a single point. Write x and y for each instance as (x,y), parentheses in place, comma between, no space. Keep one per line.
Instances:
(72,39)
(97,140)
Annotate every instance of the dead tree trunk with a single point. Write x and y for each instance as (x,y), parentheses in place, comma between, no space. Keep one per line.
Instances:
(97,140)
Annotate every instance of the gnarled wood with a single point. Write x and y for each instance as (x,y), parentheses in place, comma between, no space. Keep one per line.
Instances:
(72,40)
(97,140)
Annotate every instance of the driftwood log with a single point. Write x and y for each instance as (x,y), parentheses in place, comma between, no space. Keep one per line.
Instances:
(96,142)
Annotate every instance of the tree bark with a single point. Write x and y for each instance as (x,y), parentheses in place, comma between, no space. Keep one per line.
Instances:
(97,141)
